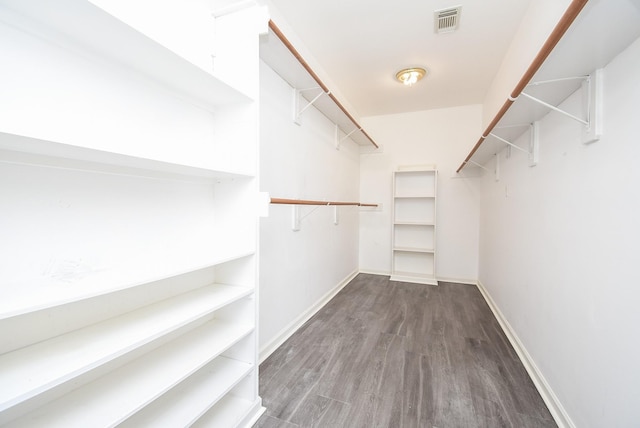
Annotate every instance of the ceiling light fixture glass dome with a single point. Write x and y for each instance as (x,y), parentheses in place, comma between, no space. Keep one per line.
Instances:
(410,76)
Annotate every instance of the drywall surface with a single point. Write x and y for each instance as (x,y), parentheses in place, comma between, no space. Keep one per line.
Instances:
(299,268)
(558,253)
(434,137)
(539,21)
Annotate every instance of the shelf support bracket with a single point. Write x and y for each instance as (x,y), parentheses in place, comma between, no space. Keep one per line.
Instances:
(592,102)
(593,131)
(336,219)
(297,96)
(554,108)
(533,150)
(509,143)
(496,170)
(295,218)
(339,140)
(534,143)
(478,165)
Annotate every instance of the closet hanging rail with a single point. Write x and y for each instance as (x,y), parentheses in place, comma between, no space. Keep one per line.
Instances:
(315,77)
(560,29)
(312,202)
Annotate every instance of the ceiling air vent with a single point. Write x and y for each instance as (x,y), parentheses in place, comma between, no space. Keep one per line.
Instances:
(447,20)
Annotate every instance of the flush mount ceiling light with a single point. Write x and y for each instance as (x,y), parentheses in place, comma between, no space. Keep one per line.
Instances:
(409,76)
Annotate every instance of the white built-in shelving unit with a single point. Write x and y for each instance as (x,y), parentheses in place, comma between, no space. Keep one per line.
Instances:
(128,213)
(413,254)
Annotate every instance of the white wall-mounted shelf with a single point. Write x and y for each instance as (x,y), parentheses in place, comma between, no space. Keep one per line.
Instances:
(277,52)
(597,32)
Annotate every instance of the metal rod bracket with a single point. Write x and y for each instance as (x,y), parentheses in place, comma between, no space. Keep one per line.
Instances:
(592,104)
(338,140)
(299,107)
(593,130)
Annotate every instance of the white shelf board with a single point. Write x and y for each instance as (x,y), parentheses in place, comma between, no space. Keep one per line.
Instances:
(331,110)
(35,294)
(19,149)
(34,369)
(187,402)
(414,278)
(413,223)
(277,56)
(409,223)
(113,398)
(414,250)
(412,169)
(600,32)
(414,197)
(83,26)
(230,411)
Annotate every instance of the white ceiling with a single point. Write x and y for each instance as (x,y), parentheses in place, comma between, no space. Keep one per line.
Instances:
(361,44)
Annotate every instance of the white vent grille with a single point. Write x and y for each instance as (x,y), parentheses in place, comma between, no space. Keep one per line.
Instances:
(447,20)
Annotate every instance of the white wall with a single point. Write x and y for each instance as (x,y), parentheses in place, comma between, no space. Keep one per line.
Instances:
(439,137)
(559,256)
(298,270)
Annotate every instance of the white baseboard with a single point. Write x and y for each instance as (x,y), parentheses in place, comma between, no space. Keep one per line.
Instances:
(438,277)
(253,414)
(375,272)
(291,328)
(466,281)
(551,400)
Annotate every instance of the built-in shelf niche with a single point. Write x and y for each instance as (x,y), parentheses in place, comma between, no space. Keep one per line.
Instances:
(413,253)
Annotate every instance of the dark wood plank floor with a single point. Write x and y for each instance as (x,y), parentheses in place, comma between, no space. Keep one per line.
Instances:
(392,354)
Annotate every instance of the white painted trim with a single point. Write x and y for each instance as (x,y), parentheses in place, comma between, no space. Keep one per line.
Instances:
(257,410)
(375,272)
(439,278)
(558,412)
(457,280)
(294,325)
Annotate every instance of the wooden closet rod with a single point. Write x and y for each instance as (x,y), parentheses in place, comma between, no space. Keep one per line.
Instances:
(310,202)
(315,77)
(563,25)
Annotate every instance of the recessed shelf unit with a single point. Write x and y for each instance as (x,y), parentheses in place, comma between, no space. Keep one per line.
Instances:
(413,254)
(278,52)
(590,34)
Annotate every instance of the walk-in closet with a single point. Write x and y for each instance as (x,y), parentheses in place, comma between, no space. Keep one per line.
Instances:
(275,213)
